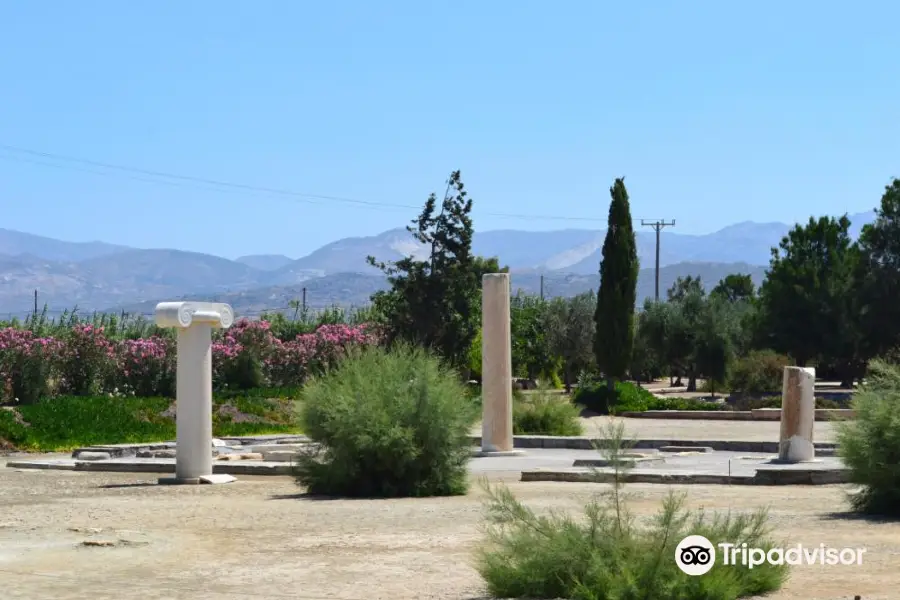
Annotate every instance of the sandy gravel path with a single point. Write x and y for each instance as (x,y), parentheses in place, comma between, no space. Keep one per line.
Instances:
(257,539)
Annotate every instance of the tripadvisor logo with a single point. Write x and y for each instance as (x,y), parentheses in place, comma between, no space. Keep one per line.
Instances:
(696,555)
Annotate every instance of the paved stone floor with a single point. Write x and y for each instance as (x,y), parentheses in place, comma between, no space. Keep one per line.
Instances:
(678,429)
(719,463)
(712,463)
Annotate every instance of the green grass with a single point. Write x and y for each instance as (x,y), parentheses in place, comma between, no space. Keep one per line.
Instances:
(61,424)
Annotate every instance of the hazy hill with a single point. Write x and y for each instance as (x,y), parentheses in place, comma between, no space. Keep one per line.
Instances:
(15,243)
(348,255)
(354,289)
(342,289)
(97,276)
(126,277)
(265,262)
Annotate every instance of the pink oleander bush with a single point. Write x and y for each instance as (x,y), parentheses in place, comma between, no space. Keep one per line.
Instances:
(310,354)
(147,366)
(83,361)
(239,355)
(248,355)
(25,365)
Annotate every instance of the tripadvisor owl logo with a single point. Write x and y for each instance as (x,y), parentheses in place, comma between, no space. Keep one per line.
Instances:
(695,555)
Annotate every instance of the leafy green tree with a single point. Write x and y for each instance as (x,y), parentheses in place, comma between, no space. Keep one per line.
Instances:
(714,342)
(684,286)
(655,324)
(530,355)
(685,334)
(696,336)
(569,327)
(645,362)
(735,288)
(806,298)
(436,302)
(878,275)
(614,316)
(739,291)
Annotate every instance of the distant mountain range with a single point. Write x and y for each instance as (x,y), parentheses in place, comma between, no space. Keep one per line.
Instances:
(100,276)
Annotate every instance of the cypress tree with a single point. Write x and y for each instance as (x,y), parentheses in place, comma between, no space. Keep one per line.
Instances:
(614,338)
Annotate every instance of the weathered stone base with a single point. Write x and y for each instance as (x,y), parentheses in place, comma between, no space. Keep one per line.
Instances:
(179,481)
(757,414)
(214,479)
(686,449)
(762,477)
(496,453)
(267,444)
(138,465)
(624,461)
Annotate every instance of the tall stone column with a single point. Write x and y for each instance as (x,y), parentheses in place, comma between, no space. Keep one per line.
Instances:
(193,395)
(798,415)
(496,366)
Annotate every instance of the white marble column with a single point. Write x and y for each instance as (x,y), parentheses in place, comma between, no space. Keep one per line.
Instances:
(193,396)
(496,367)
(798,415)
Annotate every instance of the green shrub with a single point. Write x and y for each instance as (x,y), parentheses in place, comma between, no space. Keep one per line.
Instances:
(630,397)
(626,397)
(388,423)
(743,403)
(870,445)
(760,372)
(606,554)
(550,376)
(543,413)
(684,404)
(474,357)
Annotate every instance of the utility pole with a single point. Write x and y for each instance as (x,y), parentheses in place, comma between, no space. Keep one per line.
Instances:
(35,304)
(657,226)
(304,301)
(542,287)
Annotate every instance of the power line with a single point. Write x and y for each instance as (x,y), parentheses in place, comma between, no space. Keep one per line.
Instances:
(191,178)
(122,175)
(298,196)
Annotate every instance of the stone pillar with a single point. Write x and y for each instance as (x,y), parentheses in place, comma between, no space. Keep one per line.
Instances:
(798,414)
(496,365)
(193,395)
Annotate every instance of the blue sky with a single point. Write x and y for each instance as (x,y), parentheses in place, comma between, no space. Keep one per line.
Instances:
(715,112)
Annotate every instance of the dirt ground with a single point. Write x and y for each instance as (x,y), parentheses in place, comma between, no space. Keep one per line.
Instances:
(257,538)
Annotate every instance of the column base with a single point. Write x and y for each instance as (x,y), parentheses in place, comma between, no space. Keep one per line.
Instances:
(179,481)
(496,453)
(789,461)
(796,449)
(218,478)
